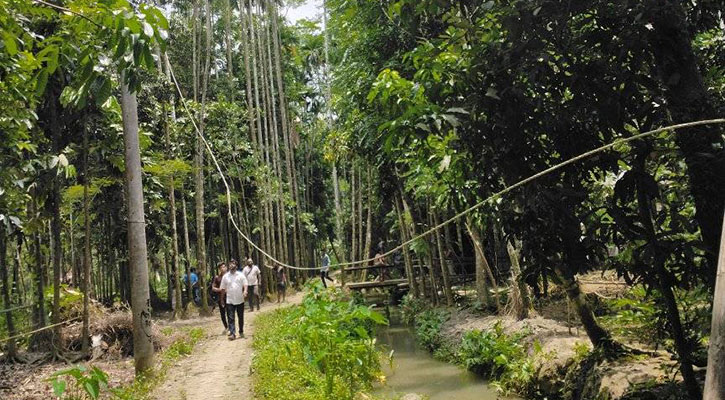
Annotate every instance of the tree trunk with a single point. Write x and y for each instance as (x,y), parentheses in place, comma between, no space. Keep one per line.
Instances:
(687,100)
(85,333)
(56,245)
(16,269)
(447,290)
(187,250)
(228,46)
(40,318)
(247,70)
(599,337)
(681,346)
(369,220)
(10,347)
(353,226)
(328,99)
(482,290)
(406,255)
(360,229)
(715,377)
(176,282)
(664,282)
(74,266)
(143,350)
(199,169)
(523,306)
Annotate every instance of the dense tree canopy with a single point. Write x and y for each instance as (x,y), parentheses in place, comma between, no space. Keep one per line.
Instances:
(390,119)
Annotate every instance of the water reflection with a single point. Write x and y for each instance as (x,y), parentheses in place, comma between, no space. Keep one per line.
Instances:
(416,371)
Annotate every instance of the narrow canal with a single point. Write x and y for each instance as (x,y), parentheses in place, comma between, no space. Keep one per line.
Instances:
(416,371)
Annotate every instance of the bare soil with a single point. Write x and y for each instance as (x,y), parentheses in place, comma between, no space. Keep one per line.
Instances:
(217,368)
(556,328)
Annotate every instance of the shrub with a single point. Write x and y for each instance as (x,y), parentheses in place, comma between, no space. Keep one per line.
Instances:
(499,356)
(411,307)
(78,382)
(323,348)
(428,326)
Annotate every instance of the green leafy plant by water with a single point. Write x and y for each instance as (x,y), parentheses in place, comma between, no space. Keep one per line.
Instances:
(428,327)
(498,355)
(322,349)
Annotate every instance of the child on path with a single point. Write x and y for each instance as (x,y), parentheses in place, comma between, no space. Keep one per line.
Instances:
(234,284)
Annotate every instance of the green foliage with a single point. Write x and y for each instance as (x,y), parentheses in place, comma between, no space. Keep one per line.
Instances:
(71,301)
(428,327)
(79,382)
(497,355)
(635,315)
(323,348)
(411,307)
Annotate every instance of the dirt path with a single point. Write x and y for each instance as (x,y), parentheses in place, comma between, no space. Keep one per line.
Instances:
(218,368)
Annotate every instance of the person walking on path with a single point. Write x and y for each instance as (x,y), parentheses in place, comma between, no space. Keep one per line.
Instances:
(234,284)
(218,293)
(252,273)
(193,278)
(281,283)
(325,270)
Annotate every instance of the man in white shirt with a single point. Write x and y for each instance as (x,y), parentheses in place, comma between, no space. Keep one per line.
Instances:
(234,284)
(253,274)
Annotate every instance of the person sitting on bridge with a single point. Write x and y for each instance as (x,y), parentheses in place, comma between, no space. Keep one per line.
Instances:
(379,261)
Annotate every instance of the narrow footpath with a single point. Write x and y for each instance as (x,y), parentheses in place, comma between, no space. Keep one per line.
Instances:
(217,368)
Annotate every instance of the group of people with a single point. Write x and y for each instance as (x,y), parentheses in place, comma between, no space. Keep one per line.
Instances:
(232,286)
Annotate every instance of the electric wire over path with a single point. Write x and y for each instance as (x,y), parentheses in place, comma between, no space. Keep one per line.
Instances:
(463,213)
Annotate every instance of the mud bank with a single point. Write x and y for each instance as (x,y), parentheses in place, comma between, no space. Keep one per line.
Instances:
(560,360)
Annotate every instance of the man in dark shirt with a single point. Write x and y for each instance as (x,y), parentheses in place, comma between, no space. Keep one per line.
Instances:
(216,289)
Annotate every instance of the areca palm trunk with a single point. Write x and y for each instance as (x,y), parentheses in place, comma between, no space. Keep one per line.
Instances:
(199,168)
(247,71)
(10,347)
(412,282)
(353,226)
(522,311)
(276,157)
(38,261)
(85,332)
(447,290)
(360,229)
(143,348)
(228,46)
(482,290)
(369,220)
(177,309)
(289,149)
(187,248)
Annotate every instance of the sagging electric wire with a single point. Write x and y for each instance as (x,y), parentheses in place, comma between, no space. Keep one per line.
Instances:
(461,214)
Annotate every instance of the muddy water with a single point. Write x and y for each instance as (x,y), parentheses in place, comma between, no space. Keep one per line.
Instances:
(416,371)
